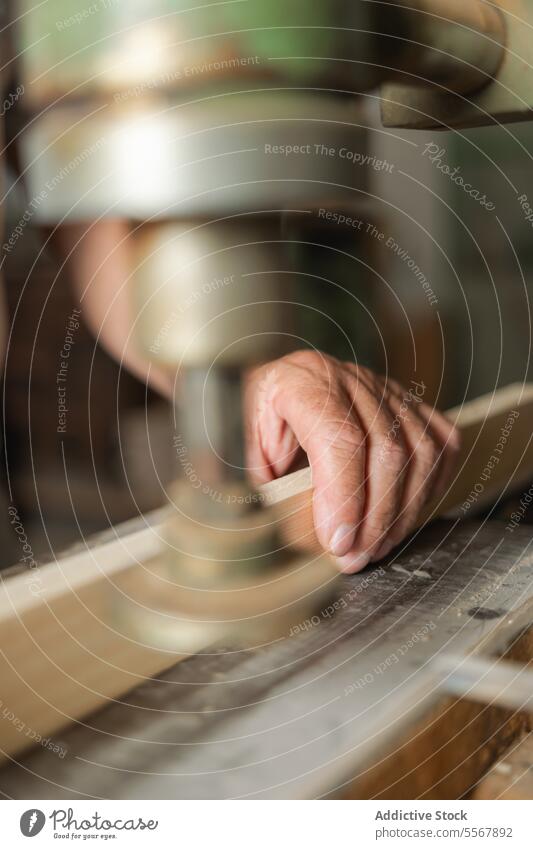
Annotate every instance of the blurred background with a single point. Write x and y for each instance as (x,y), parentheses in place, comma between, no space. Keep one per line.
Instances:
(433,285)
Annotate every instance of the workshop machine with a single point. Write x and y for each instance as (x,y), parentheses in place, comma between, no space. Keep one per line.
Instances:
(179,117)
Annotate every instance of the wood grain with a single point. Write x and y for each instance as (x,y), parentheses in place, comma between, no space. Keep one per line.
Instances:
(511,777)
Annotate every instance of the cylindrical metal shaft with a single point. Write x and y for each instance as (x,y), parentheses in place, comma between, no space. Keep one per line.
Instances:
(211,423)
(458,44)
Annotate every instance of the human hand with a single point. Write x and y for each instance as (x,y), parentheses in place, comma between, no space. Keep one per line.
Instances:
(378,453)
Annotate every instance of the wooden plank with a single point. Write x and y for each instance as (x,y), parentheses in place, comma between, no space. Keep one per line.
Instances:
(447,751)
(511,777)
(61,653)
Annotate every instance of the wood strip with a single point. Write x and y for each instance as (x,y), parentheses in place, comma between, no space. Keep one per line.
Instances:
(61,656)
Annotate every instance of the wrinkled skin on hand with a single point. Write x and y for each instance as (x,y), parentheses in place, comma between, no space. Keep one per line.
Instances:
(377,452)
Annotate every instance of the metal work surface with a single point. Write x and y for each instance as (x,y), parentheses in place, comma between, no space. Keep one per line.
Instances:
(300,717)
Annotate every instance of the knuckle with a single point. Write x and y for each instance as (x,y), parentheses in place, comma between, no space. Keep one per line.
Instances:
(382,517)
(303,357)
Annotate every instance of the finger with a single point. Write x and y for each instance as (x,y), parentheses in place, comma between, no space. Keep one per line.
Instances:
(387,465)
(446,438)
(271,445)
(330,433)
(426,467)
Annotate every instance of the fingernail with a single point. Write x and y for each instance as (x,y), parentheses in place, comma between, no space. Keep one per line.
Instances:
(342,540)
(353,562)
